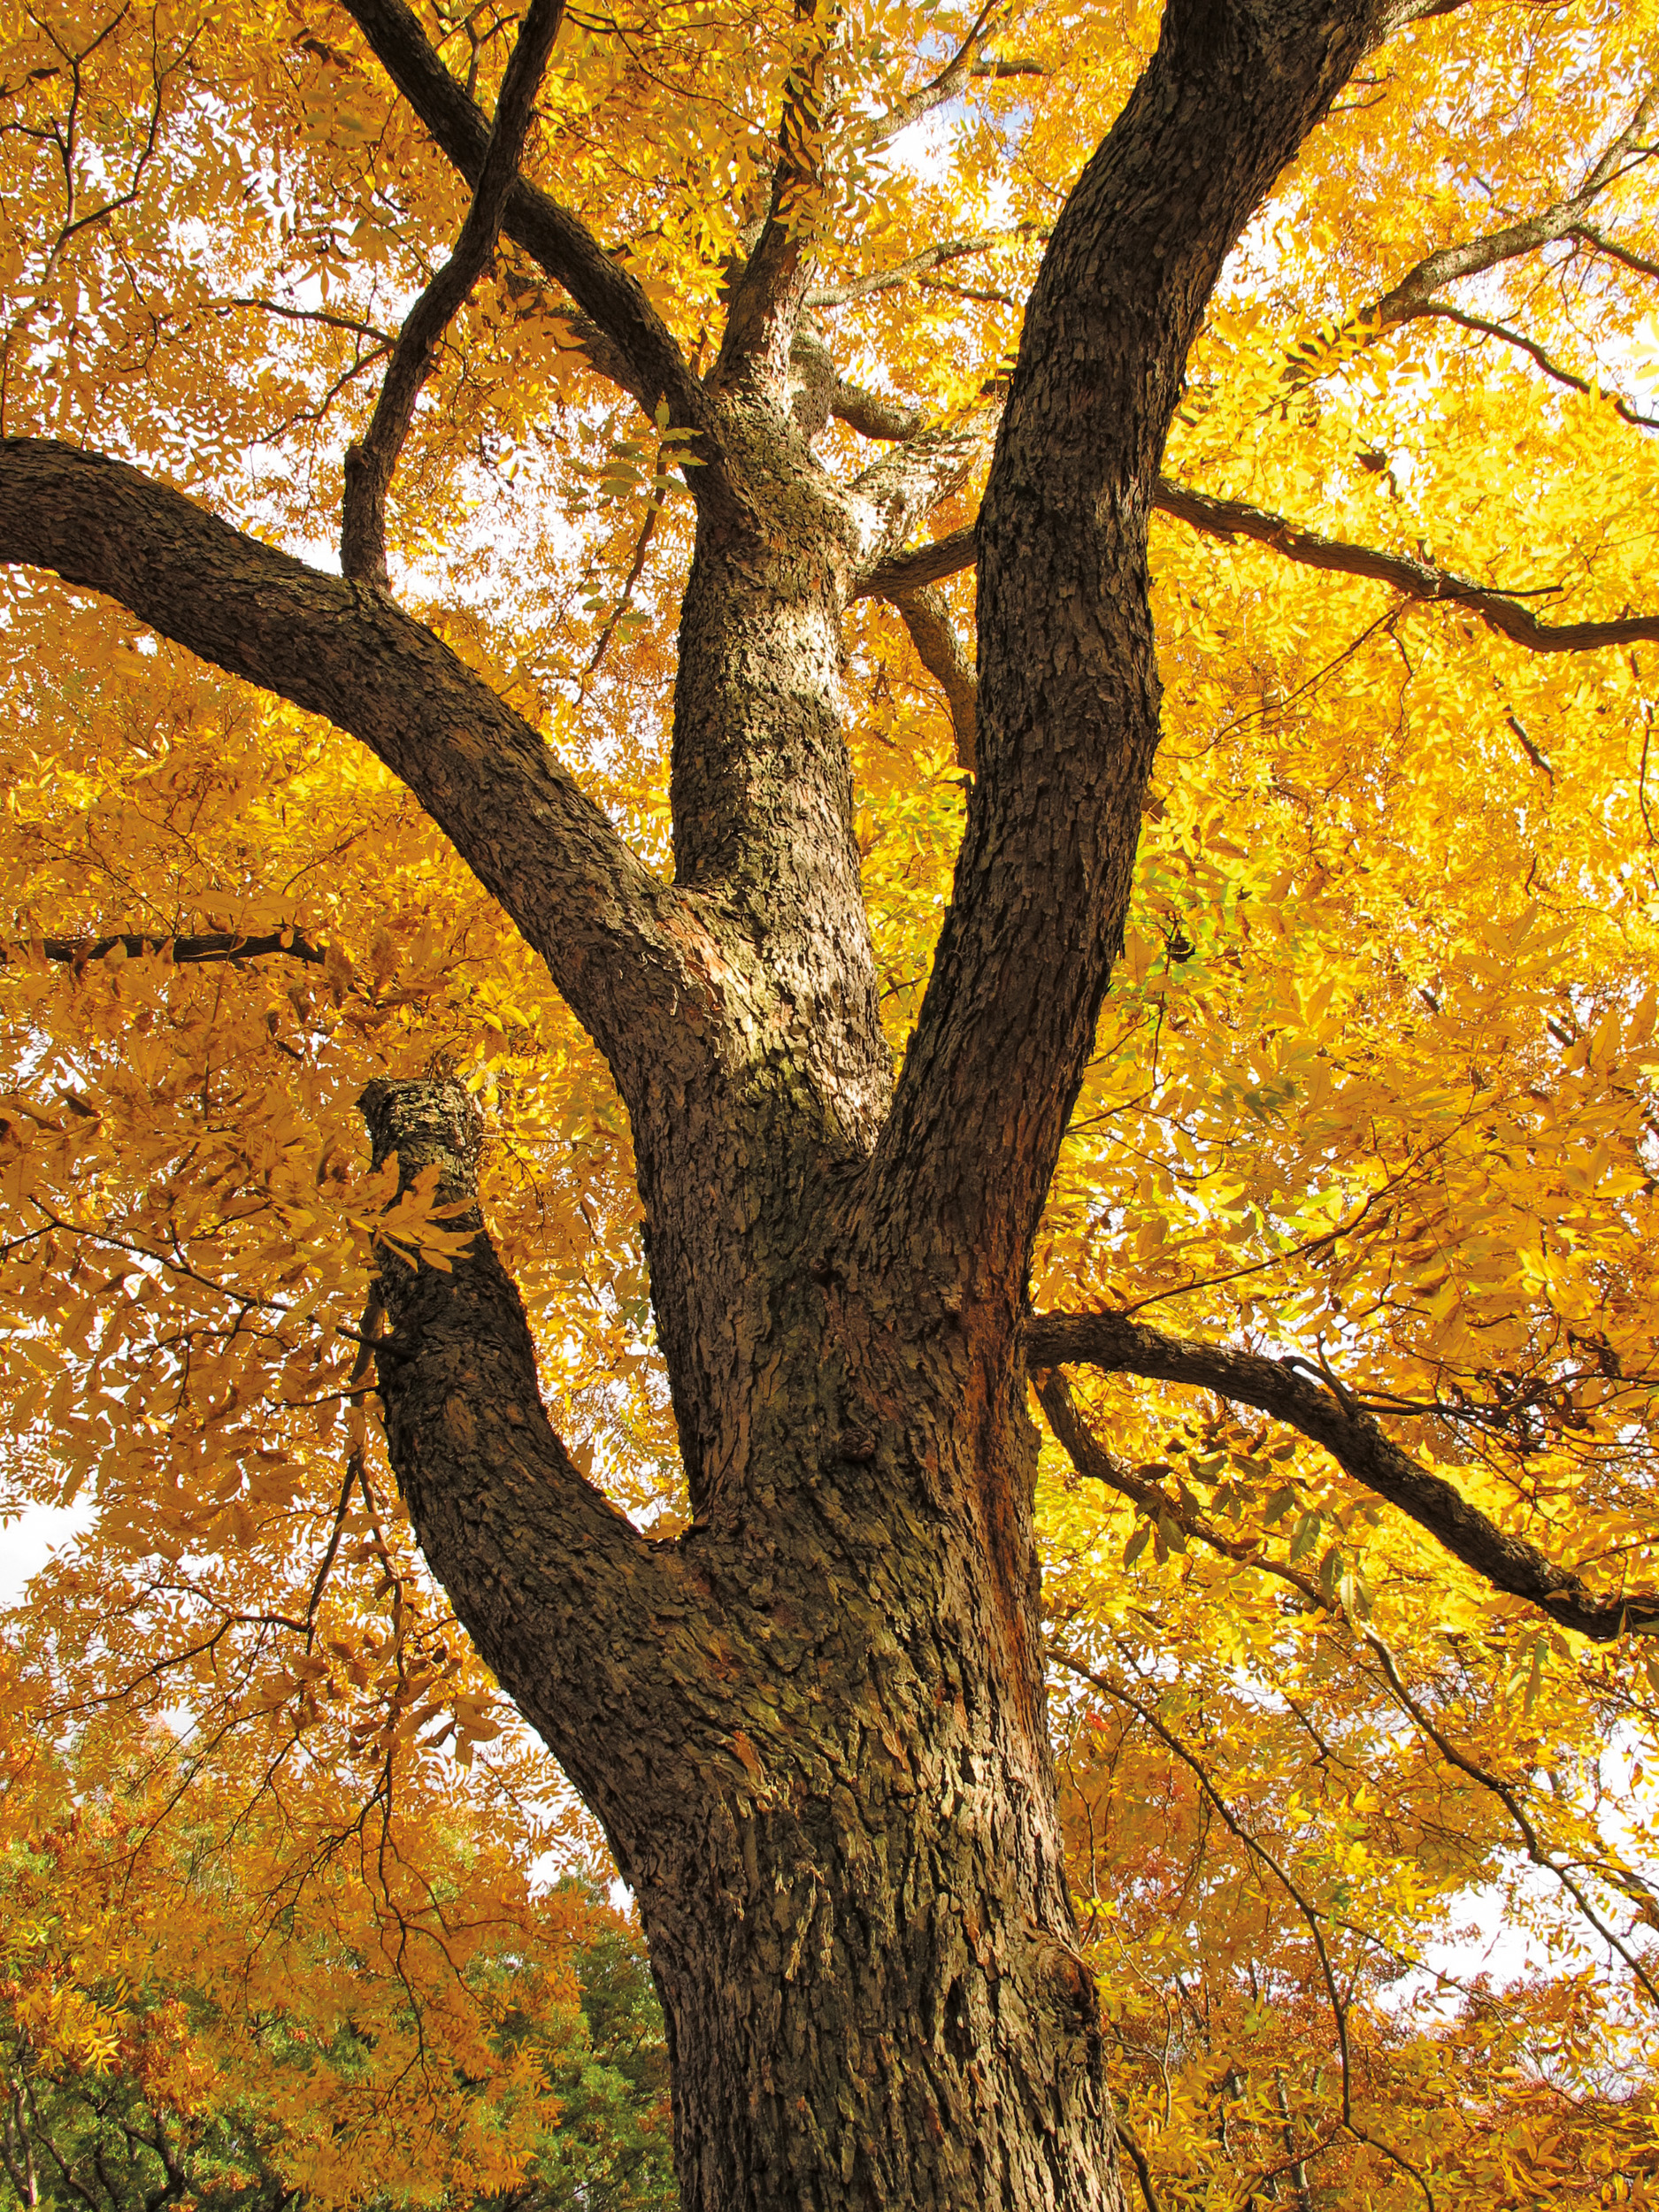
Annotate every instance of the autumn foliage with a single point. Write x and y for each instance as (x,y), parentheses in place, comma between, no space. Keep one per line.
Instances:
(1373,1092)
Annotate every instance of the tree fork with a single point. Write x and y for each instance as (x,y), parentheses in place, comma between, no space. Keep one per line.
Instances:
(823,1762)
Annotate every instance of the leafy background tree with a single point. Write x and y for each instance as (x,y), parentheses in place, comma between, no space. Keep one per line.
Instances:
(1370,1105)
(210,2002)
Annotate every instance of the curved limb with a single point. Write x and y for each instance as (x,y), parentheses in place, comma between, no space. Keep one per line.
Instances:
(533,837)
(1066,736)
(586,1622)
(370,465)
(1360,1446)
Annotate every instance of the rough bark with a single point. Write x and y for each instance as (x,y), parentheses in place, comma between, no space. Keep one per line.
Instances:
(814,1726)
(820,1762)
(1068,705)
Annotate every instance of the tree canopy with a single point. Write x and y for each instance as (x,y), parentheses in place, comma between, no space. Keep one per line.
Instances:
(1338,1310)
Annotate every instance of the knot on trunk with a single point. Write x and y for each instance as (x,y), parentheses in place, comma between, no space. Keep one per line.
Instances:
(427,1121)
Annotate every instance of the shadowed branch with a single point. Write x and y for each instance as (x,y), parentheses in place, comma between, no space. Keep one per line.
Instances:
(370,465)
(1414,578)
(1329,1416)
(185,952)
(1230,518)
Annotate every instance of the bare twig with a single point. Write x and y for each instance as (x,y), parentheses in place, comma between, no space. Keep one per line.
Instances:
(937,256)
(1309,1914)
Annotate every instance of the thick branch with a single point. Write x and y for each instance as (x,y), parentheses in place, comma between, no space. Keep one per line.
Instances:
(555,237)
(870,414)
(922,565)
(576,1612)
(1066,733)
(1360,1447)
(1415,579)
(933,634)
(533,837)
(370,466)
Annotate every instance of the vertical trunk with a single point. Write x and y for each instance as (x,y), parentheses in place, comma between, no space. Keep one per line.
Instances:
(865,1958)
(852,1881)
(858,1906)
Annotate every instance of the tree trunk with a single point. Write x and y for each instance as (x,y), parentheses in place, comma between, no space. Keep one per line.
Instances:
(865,1955)
(819,1747)
(828,1783)
(814,1725)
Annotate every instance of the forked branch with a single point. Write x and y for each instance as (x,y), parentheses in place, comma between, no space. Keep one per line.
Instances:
(370,465)
(966,63)
(937,256)
(1417,292)
(1328,1415)
(605,292)
(1414,292)
(1093,1461)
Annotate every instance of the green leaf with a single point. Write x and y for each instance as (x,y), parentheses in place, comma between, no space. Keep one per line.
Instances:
(1307,1535)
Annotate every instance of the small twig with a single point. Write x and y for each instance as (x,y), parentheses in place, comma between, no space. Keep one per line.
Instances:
(636,569)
